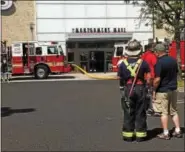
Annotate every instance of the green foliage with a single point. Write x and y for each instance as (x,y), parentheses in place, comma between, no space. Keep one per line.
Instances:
(165,14)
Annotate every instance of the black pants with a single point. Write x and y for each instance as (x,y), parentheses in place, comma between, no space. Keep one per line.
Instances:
(134,109)
(92,65)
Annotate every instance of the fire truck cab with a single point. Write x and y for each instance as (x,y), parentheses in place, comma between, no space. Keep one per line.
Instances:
(119,53)
(39,59)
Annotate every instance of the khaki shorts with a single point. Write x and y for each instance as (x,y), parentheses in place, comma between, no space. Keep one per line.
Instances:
(166,103)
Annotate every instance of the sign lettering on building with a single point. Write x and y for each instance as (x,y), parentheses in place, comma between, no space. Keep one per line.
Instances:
(98,30)
(6,4)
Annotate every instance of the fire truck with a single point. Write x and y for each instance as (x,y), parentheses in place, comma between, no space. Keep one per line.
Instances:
(172,52)
(39,59)
(120,47)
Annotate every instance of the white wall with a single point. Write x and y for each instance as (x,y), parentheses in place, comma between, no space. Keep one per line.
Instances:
(56,18)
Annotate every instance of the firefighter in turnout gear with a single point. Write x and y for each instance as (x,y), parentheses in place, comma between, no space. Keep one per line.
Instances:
(136,75)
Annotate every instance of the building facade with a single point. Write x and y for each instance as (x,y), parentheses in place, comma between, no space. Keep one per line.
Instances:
(89,29)
(57,19)
(18,20)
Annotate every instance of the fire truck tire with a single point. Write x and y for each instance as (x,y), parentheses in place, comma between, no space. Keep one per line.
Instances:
(41,72)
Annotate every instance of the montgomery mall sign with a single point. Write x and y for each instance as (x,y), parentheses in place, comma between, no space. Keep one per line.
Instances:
(6,4)
(98,30)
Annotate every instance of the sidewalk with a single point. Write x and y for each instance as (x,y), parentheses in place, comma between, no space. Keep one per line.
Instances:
(84,76)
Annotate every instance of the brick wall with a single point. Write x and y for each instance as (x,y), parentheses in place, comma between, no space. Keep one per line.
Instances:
(16,21)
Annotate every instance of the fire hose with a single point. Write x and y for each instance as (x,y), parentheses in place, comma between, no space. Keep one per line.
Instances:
(94,76)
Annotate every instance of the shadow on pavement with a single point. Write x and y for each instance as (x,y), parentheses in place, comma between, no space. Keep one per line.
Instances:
(154,132)
(53,77)
(7,111)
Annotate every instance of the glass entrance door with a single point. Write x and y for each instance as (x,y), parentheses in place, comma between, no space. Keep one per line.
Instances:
(96,61)
(108,61)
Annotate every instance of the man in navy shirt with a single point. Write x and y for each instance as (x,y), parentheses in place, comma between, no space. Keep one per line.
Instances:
(165,91)
(133,98)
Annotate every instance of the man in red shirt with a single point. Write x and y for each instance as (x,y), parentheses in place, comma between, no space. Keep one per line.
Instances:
(151,59)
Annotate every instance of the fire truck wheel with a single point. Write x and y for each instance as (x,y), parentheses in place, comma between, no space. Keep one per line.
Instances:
(41,72)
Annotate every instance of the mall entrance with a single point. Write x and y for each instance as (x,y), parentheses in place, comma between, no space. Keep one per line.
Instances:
(96,60)
(92,57)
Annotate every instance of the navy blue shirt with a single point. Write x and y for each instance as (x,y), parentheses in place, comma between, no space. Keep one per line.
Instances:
(166,68)
(125,74)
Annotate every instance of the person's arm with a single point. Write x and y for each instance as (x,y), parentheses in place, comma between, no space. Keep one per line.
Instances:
(147,74)
(120,73)
(157,79)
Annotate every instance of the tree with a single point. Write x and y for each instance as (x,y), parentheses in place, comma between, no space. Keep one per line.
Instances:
(167,14)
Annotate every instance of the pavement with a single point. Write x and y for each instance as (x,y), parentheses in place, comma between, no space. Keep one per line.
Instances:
(73,116)
(60,77)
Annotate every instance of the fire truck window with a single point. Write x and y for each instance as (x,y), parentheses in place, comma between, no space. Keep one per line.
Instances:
(52,50)
(38,51)
(119,51)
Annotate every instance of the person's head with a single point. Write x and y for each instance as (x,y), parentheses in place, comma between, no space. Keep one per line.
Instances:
(150,47)
(160,49)
(134,49)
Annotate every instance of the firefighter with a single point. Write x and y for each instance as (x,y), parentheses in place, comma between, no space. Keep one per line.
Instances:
(132,71)
(4,70)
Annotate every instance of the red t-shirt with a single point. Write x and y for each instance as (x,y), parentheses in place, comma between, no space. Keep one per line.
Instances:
(151,59)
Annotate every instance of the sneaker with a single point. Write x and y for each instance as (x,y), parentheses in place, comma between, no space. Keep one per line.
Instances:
(163,136)
(177,134)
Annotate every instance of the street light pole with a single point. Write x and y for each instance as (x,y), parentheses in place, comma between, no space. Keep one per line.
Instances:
(32,30)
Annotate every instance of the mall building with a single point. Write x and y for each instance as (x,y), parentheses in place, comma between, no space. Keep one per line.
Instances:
(81,27)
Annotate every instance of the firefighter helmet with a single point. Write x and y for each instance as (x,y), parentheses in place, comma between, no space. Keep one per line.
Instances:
(134,48)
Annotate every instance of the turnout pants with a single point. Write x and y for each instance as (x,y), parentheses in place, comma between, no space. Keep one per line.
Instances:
(134,121)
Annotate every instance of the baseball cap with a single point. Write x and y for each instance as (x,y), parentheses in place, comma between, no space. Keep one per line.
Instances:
(160,48)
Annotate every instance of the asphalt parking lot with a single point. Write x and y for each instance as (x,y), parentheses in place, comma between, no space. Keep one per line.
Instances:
(72,116)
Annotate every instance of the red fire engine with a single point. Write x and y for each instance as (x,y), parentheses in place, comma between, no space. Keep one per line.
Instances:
(120,47)
(172,52)
(40,59)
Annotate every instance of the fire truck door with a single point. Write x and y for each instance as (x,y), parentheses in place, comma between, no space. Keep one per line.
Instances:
(54,59)
(17,62)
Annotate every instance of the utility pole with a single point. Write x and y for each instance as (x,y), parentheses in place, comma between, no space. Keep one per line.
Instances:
(153,23)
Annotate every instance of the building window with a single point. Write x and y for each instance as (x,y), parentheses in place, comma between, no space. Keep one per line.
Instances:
(70,45)
(87,45)
(84,56)
(70,56)
(109,56)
